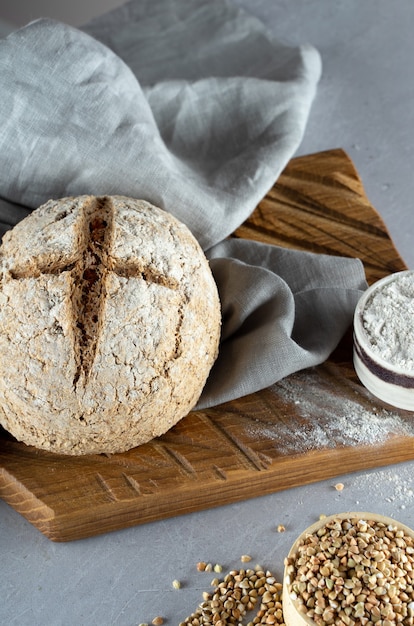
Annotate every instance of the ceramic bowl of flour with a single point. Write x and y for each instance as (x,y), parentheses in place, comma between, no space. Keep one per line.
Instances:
(384,339)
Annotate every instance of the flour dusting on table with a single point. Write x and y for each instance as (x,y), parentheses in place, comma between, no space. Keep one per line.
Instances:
(324,418)
(394,485)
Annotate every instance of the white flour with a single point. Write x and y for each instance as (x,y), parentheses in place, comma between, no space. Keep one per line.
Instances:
(324,418)
(388,321)
(394,485)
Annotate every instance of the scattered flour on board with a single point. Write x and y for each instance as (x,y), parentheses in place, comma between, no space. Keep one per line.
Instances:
(323,418)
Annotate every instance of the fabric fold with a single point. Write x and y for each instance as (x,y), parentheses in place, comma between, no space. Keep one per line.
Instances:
(193,106)
(283,310)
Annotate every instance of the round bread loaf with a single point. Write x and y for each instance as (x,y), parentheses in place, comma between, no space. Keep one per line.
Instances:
(109,324)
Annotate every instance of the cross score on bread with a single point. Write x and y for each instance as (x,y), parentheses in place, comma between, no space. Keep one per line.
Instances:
(89,266)
(109,324)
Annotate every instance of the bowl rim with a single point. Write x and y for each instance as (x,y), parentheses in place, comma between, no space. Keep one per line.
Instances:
(360,337)
(292,616)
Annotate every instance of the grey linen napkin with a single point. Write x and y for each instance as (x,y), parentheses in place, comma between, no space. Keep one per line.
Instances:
(191,105)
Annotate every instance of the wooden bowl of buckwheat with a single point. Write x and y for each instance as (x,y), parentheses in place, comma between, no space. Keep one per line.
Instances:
(351,569)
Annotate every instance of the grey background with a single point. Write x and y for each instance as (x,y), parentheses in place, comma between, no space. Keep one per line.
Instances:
(75,12)
(364,102)
(364,105)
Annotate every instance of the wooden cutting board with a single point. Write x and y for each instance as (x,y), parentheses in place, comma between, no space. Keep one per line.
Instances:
(313,425)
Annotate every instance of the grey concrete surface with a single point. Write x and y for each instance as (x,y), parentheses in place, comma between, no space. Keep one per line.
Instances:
(365,106)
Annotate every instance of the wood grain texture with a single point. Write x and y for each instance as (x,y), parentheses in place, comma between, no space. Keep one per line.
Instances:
(314,425)
(319,205)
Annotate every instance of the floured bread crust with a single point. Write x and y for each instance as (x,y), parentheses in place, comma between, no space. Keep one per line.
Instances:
(109,325)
